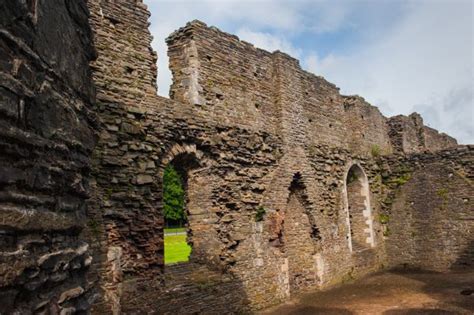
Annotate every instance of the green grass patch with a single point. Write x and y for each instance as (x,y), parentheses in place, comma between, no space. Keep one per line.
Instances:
(176,249)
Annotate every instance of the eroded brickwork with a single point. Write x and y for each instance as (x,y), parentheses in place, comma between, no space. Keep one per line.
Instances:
(430,215)
(46,140)
(266,149)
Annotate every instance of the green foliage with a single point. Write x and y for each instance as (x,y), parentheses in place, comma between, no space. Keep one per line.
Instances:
(375,150)
(173,196)
(260,214)
(384,218)
(402,179)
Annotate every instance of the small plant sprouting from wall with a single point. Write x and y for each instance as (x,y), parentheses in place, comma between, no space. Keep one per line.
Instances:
(384,218)
(443,193)
(401,180)
(375,150)
(260,214)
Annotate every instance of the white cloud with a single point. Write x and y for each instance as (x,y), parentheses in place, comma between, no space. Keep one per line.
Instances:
(423,62)
(268,42)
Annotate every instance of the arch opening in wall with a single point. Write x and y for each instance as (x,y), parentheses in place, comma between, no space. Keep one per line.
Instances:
(178,243)
(300,237)
(359,213)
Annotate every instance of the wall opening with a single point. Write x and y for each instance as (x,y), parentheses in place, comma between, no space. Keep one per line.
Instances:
(360,222)
(178,233)
(177,248)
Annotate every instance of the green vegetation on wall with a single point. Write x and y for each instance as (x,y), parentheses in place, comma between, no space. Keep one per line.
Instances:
(375,151)
(384,218)
(260,214)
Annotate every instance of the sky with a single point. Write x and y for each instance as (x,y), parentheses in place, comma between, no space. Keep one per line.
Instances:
(401,56)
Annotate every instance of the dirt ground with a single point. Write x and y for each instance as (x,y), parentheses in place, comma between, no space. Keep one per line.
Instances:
(390,293)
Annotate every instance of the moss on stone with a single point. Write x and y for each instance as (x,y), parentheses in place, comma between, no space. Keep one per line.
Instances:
(259,215)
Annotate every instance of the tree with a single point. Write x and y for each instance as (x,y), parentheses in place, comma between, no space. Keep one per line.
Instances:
(173,196)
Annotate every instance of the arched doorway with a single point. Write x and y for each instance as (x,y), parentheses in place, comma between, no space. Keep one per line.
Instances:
(176,248)
(357,200)
(194,170)
(178,241)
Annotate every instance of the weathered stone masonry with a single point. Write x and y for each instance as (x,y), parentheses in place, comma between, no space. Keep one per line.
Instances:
(46,140)
(252,132)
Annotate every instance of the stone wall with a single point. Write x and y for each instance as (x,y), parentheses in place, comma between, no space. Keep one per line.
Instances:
(430,220)
(46,140)
(409,135)
(264,147)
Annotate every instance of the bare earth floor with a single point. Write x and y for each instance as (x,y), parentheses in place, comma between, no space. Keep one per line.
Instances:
(390,293)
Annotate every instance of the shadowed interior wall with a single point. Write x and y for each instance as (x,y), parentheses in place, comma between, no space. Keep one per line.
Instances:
(46,141)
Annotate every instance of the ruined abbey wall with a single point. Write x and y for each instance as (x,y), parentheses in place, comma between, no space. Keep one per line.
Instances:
(252,132)
(46,140)
(431,211)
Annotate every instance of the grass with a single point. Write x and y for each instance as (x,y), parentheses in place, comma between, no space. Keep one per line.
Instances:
(176,249)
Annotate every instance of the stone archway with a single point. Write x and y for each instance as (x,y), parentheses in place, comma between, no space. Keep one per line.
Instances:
(192,165)
(358,209)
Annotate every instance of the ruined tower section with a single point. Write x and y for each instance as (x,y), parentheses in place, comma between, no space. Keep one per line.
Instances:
(46,140)
(409,135)
(125,69)
(368,128)
(230,80)
(127,226)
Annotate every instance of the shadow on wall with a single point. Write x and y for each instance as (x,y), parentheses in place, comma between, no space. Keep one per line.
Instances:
(465,260)
(189,288)
(198,286)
